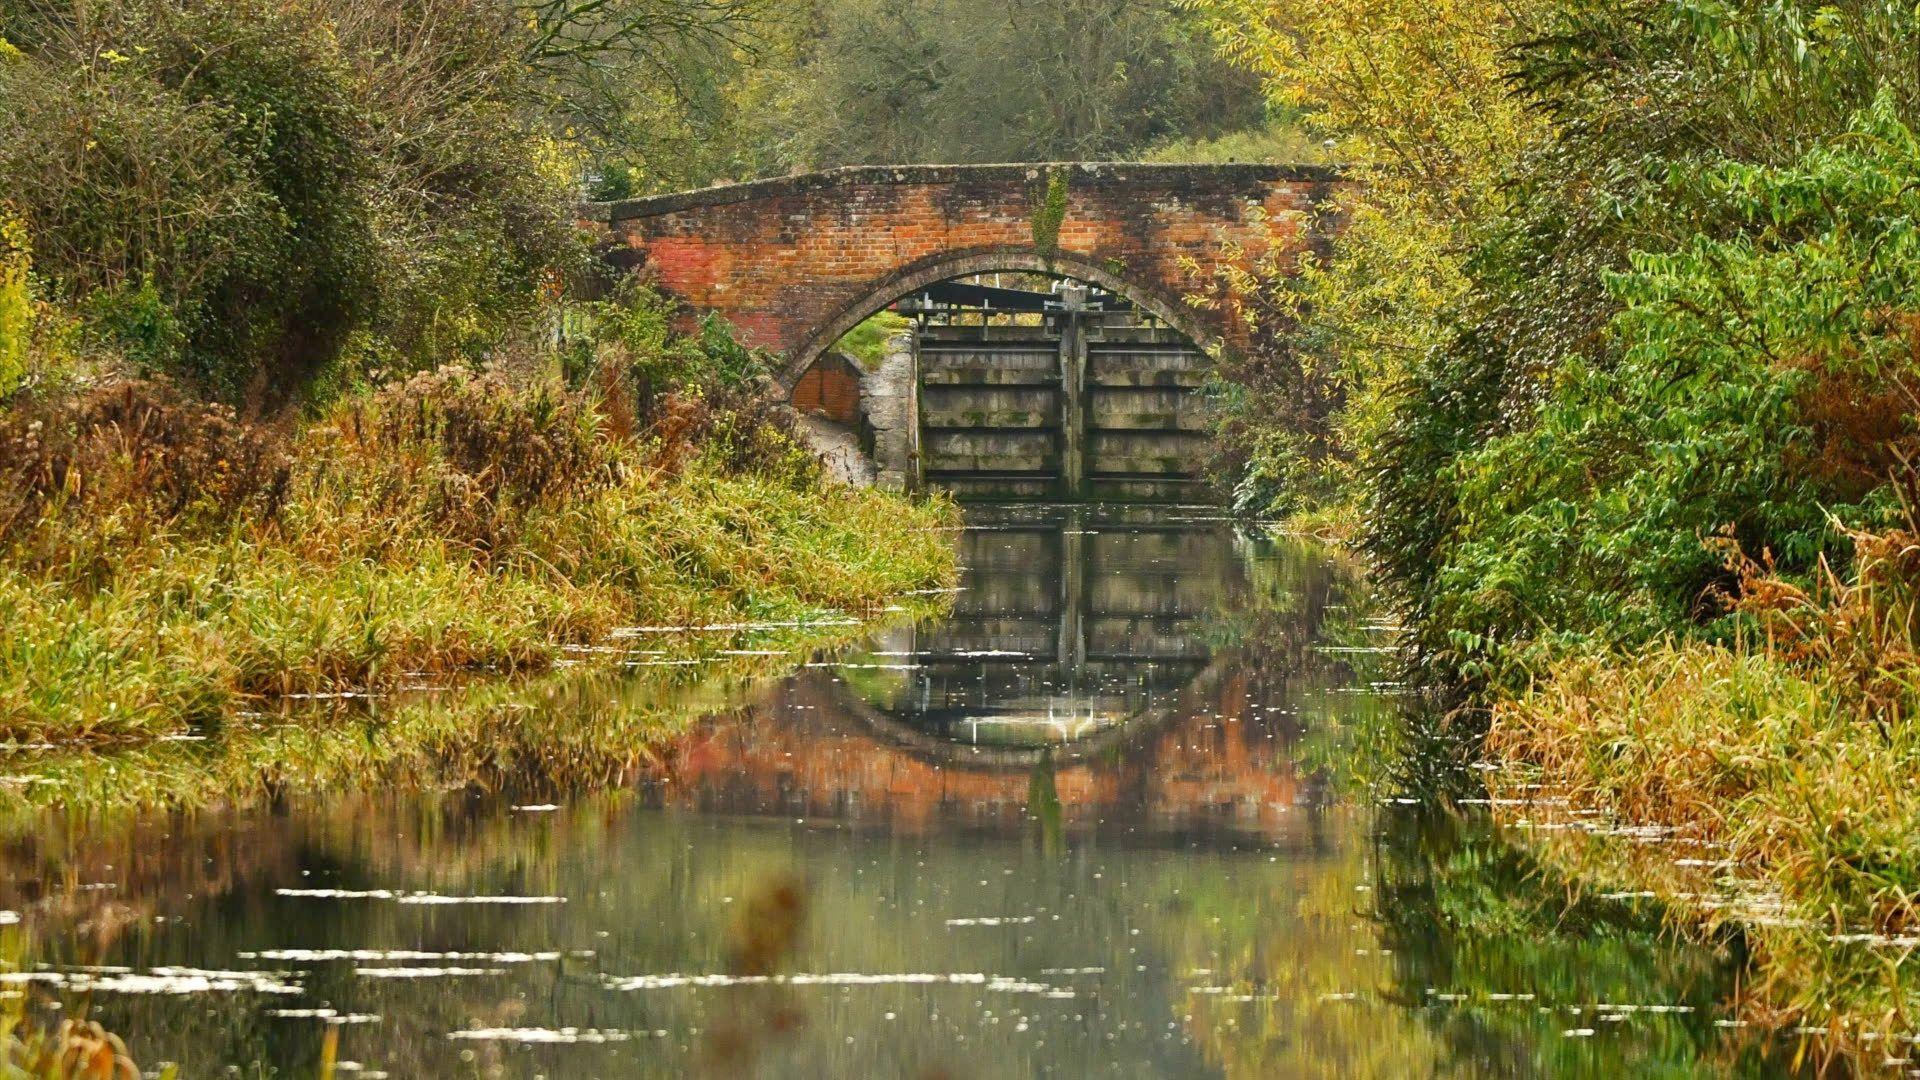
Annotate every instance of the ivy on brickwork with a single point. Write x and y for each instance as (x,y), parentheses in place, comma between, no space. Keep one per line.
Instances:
(1049,210)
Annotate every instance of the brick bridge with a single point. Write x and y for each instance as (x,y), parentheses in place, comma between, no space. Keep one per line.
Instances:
(796,262)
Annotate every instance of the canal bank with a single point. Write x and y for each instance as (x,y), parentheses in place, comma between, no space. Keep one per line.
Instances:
(1136,815)
(164,564)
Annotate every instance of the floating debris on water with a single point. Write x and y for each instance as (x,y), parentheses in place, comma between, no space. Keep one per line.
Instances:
(1003,983)
(160,980)
(982,654)
(318,955)
(424,972)
(329,1015)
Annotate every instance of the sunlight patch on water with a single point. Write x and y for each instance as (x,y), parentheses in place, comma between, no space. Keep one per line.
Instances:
(545,1035)
(415,897)
(318,955)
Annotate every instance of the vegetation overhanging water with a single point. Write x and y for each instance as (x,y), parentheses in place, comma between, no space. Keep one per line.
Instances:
(1179,839)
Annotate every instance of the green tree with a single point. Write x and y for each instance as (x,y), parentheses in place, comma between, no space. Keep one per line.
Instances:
(1008,80)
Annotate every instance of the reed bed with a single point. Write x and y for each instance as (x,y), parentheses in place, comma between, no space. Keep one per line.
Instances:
(163,563)
(1785,766)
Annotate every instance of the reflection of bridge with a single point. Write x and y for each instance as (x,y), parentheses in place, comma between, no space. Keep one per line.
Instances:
(1213,768)
(1076,672)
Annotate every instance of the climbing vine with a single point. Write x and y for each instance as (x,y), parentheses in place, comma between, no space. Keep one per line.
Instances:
(1049,210)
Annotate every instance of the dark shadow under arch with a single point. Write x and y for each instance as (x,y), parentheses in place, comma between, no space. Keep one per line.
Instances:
(933,269)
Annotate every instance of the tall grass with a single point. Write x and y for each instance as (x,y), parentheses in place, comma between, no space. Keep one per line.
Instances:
(1790,759)
(162,562)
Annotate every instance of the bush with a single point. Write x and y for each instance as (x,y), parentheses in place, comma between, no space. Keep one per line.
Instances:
(160,559)
(232,191)
(84,479)
(703,392)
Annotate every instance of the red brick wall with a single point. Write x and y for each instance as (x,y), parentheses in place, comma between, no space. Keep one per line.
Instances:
(830,389)
(796,261)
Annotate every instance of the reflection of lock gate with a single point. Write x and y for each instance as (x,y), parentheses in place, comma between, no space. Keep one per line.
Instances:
(1083,647)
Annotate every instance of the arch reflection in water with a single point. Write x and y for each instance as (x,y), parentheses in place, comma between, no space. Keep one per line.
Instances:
(1096,671)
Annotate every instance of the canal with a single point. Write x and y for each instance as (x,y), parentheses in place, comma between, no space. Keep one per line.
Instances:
(1138,804)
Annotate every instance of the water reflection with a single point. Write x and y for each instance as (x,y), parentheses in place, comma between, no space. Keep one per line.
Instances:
(1108,818)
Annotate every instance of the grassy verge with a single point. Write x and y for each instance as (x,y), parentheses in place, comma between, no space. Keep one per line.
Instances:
(165,564)
(1778,776)
(583,727)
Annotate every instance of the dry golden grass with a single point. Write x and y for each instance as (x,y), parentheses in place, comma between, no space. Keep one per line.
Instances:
(161,562)
(1790,758)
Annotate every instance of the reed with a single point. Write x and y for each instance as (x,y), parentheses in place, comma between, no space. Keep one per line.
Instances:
(163,563)
(1786,760)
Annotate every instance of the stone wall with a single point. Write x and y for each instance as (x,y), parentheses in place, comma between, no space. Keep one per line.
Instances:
(887,404)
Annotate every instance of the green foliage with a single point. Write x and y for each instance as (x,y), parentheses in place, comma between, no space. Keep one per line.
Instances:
(884,82)
(232,190)
(16,303)
(637,324)
(1682,325)
(1414,97)
(1283,139)
(1049,213)
(1592,519)
(134,318)
(867,342)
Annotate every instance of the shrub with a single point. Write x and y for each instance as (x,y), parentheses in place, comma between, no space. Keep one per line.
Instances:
(16,303)
(704,390)
(231,190)
(1742,359)
(160,559)
(84,479)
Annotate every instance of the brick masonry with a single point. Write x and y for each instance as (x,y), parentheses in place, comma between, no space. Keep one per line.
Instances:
(797,261)
(830,388)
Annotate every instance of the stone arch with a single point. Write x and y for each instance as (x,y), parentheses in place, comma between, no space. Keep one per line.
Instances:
(945,266)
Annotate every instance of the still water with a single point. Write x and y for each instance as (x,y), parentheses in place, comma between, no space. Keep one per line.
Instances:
(1135,806)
